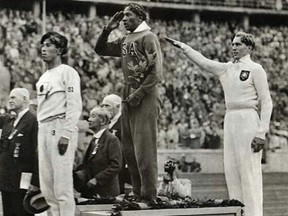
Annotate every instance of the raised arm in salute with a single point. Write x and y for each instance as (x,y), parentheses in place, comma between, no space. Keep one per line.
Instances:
(141,58)
(245,87)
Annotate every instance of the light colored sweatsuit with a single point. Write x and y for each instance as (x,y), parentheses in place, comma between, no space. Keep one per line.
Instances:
(59,109)
(245,88)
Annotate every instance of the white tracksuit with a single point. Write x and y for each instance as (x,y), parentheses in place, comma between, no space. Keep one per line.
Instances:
(245,87)
(245,84)
(59,109)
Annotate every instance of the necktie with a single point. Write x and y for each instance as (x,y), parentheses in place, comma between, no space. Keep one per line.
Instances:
(94,145)
(13,116)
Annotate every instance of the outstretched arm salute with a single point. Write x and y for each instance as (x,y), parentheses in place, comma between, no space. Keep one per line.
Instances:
(196,57)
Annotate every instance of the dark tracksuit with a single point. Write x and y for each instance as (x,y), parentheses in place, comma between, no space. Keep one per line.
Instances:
(141,57)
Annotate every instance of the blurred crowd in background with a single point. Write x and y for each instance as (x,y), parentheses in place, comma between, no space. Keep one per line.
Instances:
(263,4)
(193,102)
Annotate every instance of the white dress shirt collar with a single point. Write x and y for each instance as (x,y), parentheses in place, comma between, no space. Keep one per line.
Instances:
(99,133)
(19,116)
(114,120)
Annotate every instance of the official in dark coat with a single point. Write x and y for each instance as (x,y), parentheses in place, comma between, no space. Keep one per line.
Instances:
(18,153)
(98,174)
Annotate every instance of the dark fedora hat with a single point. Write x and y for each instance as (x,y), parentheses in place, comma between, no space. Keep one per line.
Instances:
(34,202)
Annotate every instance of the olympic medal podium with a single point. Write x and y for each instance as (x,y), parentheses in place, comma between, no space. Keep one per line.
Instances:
(104,210)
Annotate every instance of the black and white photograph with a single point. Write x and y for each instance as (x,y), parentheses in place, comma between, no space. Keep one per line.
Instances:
(143,107)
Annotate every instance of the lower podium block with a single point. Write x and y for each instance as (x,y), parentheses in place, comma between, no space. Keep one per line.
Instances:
(99,209)
(219,211)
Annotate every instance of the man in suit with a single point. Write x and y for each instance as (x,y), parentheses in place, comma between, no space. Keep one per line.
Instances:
(112,103)
(18,153)
(98,174)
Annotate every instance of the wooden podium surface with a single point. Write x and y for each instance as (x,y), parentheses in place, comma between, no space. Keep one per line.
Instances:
(103,210)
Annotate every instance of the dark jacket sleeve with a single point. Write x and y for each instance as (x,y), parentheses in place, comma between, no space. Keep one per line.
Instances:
(2,117)
(114,162)
(34,134)
(105,48)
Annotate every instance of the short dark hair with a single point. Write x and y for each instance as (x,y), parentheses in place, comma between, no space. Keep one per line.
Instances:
(138,10)
(245,38)
(59,40)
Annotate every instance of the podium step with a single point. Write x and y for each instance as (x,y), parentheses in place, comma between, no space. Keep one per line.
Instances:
(213,186)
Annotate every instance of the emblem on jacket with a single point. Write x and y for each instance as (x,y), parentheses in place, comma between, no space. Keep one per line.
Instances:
(244,75)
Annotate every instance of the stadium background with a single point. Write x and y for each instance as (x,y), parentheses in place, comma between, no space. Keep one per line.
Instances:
(191,121)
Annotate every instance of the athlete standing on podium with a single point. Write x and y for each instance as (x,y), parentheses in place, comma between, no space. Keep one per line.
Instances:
(245,87)
(141,57)
(59,109)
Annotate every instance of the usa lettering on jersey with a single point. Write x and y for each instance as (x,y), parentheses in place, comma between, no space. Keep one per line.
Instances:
(124,49)
(132,51)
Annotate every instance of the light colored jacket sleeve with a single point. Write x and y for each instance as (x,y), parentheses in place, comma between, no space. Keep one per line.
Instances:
(73,102)
(214,67)
(265,101)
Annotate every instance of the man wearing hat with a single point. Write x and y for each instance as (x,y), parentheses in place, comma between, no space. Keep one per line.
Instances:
(18,153)
(59,109)
(141,58)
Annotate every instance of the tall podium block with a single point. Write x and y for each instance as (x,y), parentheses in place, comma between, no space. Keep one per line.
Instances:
(218,211)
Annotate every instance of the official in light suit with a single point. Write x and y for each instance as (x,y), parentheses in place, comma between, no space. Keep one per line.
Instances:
(98,174)
(18,153)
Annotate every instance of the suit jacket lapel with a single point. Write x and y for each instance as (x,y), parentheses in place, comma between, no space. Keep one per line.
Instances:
(9,128)
(23,122)
(101,143)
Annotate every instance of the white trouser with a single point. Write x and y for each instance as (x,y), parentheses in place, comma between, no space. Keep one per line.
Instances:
(55,170)
(242,166)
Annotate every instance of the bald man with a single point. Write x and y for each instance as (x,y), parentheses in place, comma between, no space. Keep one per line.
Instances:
(112,103)
(18,153)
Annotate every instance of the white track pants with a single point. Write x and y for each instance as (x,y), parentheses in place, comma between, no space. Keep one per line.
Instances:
(242,166)
(55,170)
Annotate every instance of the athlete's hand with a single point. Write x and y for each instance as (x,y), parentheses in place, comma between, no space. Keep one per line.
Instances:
(92,183)
(257,144)
(114,22)
(32,188)
(174,42)
(63,145)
